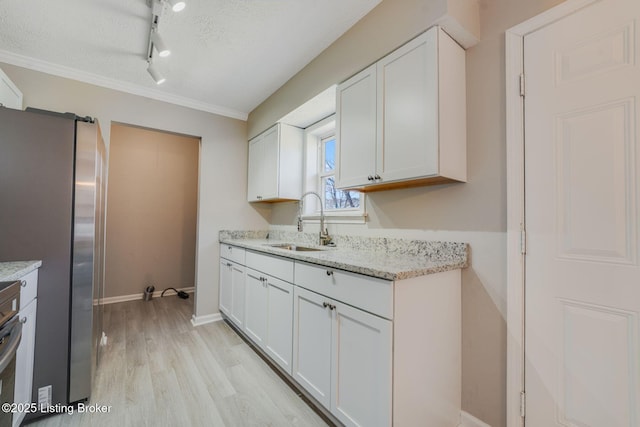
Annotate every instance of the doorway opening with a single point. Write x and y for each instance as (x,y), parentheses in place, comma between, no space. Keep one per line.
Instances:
(152,205)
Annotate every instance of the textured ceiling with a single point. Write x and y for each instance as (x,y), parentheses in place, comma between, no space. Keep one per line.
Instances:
(227,56)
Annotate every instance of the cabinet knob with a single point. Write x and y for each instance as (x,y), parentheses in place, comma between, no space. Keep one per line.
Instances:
(228,264)
(377,177)
(23,320)
(329,273)
(23,283)
(259,197)
(370,178)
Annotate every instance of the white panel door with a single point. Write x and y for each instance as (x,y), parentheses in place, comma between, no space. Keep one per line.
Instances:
(312,344)
(356,129)
(237,294)
(270,163)
(254,174)
(280,322)
(255,317)
(581,165)
(226,289)
(361,366)
(408,110)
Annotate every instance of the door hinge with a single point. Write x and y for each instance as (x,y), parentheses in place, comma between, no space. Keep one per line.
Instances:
(522,404)
(521,84)
(523,242)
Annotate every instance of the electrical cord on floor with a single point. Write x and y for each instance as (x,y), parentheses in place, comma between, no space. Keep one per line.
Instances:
(181,294)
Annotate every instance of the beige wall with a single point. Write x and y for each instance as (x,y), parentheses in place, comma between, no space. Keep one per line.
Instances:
(474,212)
(223,158)
(151,219)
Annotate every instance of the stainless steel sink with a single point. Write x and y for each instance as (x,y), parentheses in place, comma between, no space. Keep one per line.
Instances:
(294,247)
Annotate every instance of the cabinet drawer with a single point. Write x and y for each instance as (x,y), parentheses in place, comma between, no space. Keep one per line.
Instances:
(271,265)
(232,253)
(29,289)
(364,292)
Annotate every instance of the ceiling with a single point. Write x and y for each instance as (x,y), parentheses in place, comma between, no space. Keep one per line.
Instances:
(227,56)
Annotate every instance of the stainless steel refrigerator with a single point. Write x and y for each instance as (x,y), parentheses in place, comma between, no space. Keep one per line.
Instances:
(52,194)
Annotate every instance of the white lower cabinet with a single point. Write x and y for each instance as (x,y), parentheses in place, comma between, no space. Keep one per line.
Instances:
(26,350)
(232,291)
(372,352)
(269,305)
(342,357)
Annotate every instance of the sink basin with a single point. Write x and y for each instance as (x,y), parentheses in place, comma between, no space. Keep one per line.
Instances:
(294,247)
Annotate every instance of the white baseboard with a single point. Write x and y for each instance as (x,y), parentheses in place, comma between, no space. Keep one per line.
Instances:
(468,420)
(203,320)
(133,297)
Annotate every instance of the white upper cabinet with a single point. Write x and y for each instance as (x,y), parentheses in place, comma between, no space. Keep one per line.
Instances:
(10,95)
(275,165)
(402,121)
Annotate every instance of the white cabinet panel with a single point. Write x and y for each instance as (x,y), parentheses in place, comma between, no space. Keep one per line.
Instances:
(26,350)
(225,286)
(407,111)
(255,323)
(10,95)
(312,330)
(237,294)
(272,265)
(361,367)
(275,164)
(279,322)
(356,127)
(232,253)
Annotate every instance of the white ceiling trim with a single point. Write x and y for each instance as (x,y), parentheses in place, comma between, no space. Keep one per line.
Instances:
(94,79)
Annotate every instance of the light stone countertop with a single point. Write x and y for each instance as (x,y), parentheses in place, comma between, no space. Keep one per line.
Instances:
(390,259)
(13,270)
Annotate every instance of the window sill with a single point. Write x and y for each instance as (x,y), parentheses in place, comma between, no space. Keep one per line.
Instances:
(337,218)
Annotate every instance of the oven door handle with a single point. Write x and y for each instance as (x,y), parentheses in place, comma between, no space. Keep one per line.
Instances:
(10,347)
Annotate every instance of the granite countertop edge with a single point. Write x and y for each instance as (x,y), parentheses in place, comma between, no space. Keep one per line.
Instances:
(13,270)
(376,264)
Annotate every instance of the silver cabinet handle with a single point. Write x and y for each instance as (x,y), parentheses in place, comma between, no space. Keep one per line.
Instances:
(329,273)
(23,283)
(370,178)
(23,320)
(377,177)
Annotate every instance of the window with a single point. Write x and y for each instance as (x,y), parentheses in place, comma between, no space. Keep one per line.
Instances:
(333,198)
(320,169)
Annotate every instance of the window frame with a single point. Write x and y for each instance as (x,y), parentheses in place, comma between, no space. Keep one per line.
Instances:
(314,172)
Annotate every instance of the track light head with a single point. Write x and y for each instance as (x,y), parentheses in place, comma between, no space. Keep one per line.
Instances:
(160,45)
(155,74)
(177,5)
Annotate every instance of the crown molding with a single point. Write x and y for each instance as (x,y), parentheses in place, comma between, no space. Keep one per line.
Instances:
(94,79)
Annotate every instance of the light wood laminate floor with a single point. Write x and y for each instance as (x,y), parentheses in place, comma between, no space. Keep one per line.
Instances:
(158,370)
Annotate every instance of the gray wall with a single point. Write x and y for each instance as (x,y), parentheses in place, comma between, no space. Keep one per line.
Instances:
(222,177)
(474,212)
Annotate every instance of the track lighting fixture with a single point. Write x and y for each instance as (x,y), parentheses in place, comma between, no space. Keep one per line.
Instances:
(155,74)
(155,41)
(159,44)
(177,5)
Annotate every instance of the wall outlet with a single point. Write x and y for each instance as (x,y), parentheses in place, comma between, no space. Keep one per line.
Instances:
(44,396)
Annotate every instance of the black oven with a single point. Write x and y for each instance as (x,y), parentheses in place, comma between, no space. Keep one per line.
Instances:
(10,334)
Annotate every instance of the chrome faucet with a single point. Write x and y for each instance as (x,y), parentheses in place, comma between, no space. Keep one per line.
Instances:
(324,238)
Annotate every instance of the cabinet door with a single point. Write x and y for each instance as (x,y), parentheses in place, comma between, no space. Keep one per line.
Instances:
(361,366)
(270,163)
(312,344)
(255,319)
(24,358)
(237,294)
(408,110)
(225,287)
(254,176)
(356,129)
(280,322)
